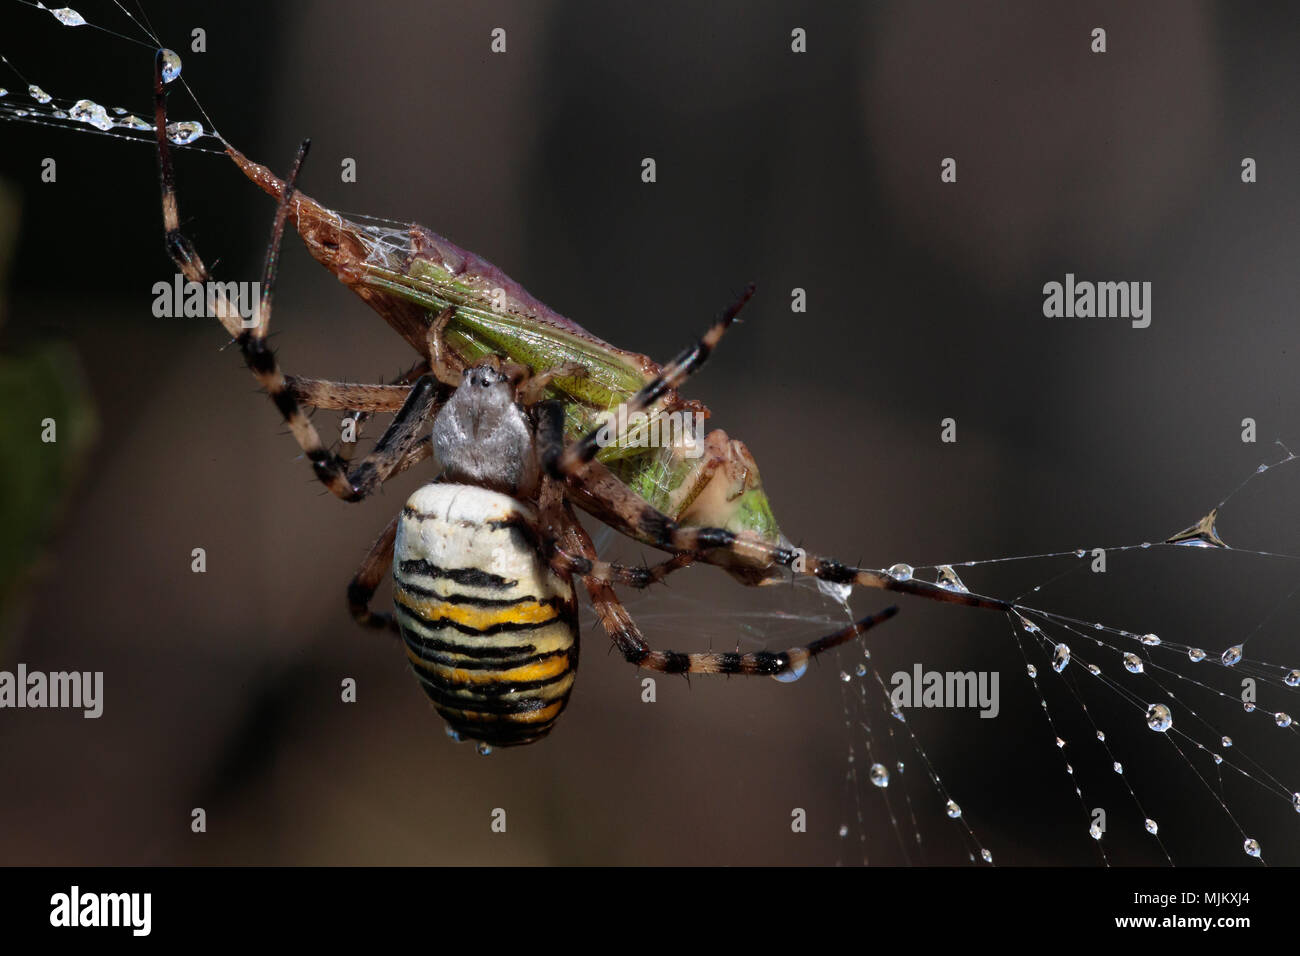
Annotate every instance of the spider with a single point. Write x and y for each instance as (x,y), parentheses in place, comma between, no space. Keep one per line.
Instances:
(484,557)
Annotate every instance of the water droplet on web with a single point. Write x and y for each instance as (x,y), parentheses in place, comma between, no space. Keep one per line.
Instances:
(1292,679)
(1159,718)
(861,670)
(484,749)
(171,66)
(1217,759)
(1031,670)
(897,713)
(1101,735)
(1200,535)
(1251,847)
(1094,831)
(452,734)
(1094,670)
(38,94)
(1152,826)
(1029,626)
(1132,663)
(87,111)
(986,856)
(1060,743)
(1149,639)
(186,131)
(3,91)
(1295,801)
(844,830)
(1079,552)
(1282,719)
(949,581)
(1232,655)
(133,122)
(69,17)
(60,114)
(1226,741)
(1196,654)
(880,775)
(796,670)
(119,111)
(954,811)
(845,676)
(900,572)
(1117,767)
(1145,545)
(1060,657)
(899,765)
(1248,707)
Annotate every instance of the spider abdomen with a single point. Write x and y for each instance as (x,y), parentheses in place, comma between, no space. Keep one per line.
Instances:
(491,630)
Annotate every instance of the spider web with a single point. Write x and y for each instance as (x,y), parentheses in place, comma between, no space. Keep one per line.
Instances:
(1080,671)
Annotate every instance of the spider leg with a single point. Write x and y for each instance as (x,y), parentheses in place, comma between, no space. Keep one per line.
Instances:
(330,469)
(446,364)
(368,578)
(618,624)
(674,373)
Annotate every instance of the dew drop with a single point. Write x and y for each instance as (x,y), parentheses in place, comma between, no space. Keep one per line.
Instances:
(1060,658)
(1079,552)
(1295,801)
(452,734)
(1152,826)
(954,811)
(1248,707)
(1094,831)
(796,670)
(1231,656)
(38,94)
(1132,663)
(184,132)
(132,121)
(1060,744)
(119,111)
(1217,759)
(87,111)
(484,749)
(1251,847)
(1196,654)
(1282,719)
(1101,735)
(1149,639)
(1117,767)
(1094,670)
(949,581)
(1031,670)
(3,91)
(1293,679)
(861,670)
(986,856)
(900,572)
(899,765)
(69,17)
(844,830)
(1029,626)
(171,66)
(845,676)
(1226,741)
(1159,718)
(879,775)
(1203,534)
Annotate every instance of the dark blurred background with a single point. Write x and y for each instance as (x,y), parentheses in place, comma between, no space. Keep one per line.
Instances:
(818,171)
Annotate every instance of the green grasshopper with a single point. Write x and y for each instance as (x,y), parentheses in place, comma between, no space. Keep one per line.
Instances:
(411,277)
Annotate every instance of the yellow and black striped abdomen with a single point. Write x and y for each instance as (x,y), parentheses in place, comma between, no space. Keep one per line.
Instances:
(491,631)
